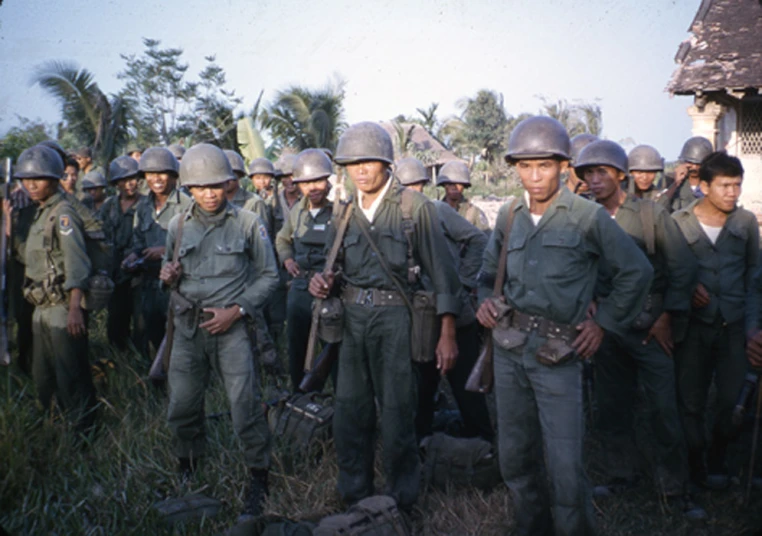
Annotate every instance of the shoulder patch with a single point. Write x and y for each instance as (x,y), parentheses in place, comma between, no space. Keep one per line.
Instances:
(64,225)
(263,232)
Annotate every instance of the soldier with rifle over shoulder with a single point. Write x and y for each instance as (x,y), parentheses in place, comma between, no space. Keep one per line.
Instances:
(550,246)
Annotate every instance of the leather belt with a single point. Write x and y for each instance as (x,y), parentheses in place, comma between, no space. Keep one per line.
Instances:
(371,297)
(545,328)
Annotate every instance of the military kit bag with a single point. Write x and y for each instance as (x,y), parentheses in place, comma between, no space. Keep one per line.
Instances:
(372,516)
(459,461)
(425,327)
(302,420)
(330,326)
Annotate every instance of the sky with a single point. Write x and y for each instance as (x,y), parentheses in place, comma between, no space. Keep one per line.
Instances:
(395,55)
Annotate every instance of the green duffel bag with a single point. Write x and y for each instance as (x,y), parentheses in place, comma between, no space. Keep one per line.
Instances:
(302,420)
(459,461)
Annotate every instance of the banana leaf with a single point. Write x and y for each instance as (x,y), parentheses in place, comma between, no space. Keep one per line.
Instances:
(250,141)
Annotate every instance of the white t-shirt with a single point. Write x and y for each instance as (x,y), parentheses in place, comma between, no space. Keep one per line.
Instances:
(711,232)
(370,212)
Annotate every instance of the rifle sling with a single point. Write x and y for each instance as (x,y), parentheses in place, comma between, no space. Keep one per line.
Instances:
(169,333)
(503,261)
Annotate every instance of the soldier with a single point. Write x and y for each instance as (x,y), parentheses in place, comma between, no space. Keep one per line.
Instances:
(56,278)
(724,238)
(455,177)
(466,245)
(239,197)
(641,353)
(685,192)
(94,190)
(574,183)
(118,215)
(211,302)
(153,213)
(70,177)
(557,242)
(177,151)
(644,163)
(301,245)
(374,359)
(134,151)
(84,157)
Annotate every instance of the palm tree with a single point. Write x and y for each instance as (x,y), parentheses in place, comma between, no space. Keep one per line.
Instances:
(302,118)
(95,120)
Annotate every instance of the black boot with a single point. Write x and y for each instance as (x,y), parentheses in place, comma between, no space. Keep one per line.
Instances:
(255,497)
(186,467)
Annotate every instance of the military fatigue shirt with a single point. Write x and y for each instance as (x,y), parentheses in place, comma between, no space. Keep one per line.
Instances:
(92,224)
(68,250)
(251,202)
(466,243)
(303,238)
(726,267)
(652,194)
(473,215)
(225,263)
(362,269)
(150,227)
(684,196)
(674,266)
(553,266)
(118,226)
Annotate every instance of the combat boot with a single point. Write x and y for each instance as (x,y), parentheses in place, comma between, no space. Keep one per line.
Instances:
(255,496)
(186,468)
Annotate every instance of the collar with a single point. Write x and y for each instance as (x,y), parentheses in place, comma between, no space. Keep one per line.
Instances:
(370,212)
(50,201)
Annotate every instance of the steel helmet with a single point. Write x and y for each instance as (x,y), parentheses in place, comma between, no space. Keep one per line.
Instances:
(123,167)
(177,150)
(93,179)
(579,142)
(410,171)
(261,166)
(645,158)
(601,153)
(312,165)
(695,150)
(158,160)
(454,172)
(39,162)
(236,162)
(538,137)
(285,165)
(203,165)
(53,144)
(364,141)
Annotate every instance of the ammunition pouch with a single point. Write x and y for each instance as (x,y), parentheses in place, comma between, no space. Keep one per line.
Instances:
(652,308)
(557,349)
(425,327)
(45,293)
(505,335)
(186,313)
(100,287)
(330,326)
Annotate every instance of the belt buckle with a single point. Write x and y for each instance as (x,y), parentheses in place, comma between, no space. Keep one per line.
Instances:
(365,297)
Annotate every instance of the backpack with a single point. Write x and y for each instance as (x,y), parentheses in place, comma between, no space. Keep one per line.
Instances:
(459,461)
(372,516)
(100,286)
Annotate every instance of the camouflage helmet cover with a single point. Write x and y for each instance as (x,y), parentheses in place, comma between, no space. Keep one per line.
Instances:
(410,171)
(39,162)
(312,165)
(645,158)
(123,167)
(538,137)
(158,160)
(454,172)
(362,142)
(601,153)
(205,164)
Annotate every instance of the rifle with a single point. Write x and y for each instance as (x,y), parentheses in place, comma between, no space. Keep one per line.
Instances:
(483,374)
(5,230)
(160,365)
(315,379)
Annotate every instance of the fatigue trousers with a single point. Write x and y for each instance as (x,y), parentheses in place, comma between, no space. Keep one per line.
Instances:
(21,311)
(709,351)
(472,406)
(60,365)
(120,312)
(298,322)
(374,364)
(621,362)
(275,307)
(539,410)
(230,356)
(151,302)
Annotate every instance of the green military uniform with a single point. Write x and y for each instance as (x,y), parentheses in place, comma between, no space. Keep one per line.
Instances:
(60,364)
(473,215)
(466,245)
(715,339)
(623,360)
(251,202)
(552,268)
(684,196)
(151,300)
(226,260)
(303,239)
(118,228)
(374,359)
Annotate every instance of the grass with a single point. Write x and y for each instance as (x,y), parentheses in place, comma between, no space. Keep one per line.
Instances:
(53,485)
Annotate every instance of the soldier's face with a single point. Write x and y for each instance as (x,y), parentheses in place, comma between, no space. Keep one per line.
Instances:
(209,198)
(98,194)
(576,185)
(315,191)
(454,192)
(160,183)
(418,186)
(541,178)
(369,177)
(603,181)
(135,155)
(723,192)
(643,179)
(231,187)
(83,161)
(40,189)
(261,181)
(69,179)
(128,188)
(288,183)
(693,169)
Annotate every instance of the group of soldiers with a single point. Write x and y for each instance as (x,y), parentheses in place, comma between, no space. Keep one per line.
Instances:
(654,281)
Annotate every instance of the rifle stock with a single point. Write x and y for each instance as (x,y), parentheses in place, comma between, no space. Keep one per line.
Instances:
(315,379)
(158,372)
(5,356)
(482,375)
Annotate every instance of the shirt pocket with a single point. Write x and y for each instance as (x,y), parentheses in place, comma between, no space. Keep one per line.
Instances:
(516,256)
(736,241)
(394,248)
(229,257)
(562,254)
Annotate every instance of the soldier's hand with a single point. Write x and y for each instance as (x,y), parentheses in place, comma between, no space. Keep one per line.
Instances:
(447,347)
(487,314)
(700,297)
(681,172)
(292,267)
(170,273)
(662,332)
(75,322)
(222,320)
(592,309)
(754,348)
(153,254)
(129,262)
(8,215)
(321,284)
(589,339)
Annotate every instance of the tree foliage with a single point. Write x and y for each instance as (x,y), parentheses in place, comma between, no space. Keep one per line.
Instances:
(23,136)
(578,118)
